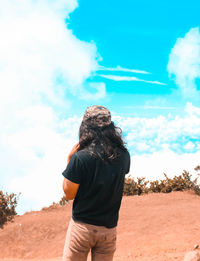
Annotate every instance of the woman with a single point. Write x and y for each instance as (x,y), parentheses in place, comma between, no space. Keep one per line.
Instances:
(94,178)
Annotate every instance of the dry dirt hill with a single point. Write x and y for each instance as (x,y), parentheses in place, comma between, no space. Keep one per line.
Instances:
(155,227)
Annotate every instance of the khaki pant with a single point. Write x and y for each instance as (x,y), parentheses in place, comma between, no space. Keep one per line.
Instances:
(81,238)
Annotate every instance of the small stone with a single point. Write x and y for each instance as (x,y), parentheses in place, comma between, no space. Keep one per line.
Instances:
(196,246)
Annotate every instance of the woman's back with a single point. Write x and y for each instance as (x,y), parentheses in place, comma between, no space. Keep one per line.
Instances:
(101,186)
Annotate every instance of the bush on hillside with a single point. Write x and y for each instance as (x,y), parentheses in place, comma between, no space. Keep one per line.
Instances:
(132,187)
(63,201)
(197,168)
(8,203)
(166,185)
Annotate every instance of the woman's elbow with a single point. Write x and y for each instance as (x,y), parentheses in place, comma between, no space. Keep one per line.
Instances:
(67,196)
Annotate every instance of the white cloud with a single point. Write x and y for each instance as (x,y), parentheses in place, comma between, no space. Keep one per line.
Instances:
(192,110)
(40,59)
(155,107)
(163,144)
(36,49)
(152,166)
(142,146)
(42,154)
(121,69)
(128,78)
(184,62)
(158,131)
(189,146)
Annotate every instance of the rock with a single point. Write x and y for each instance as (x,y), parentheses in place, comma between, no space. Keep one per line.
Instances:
(192,256)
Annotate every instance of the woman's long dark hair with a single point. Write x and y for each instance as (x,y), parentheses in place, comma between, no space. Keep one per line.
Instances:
(102,142)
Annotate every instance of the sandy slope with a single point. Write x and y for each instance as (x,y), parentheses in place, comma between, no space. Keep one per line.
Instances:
(155,227)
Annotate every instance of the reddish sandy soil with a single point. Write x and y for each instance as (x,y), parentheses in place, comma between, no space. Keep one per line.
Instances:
(155,227)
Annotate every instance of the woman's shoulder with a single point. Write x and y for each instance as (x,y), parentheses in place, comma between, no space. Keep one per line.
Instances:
(84,154)
(124,153)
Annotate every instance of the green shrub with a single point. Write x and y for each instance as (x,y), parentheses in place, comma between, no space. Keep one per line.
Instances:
(197,168)
(132,187)
(166,185)
(8,203)
(63,201)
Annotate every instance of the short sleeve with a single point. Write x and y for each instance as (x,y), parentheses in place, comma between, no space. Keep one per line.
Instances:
(73,171)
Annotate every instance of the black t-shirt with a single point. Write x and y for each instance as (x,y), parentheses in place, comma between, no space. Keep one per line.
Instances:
(98,199)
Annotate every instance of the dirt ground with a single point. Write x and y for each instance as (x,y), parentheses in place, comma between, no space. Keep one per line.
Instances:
(155,227)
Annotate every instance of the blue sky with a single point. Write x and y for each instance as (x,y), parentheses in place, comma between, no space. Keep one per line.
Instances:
(141,59)
(138,35)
